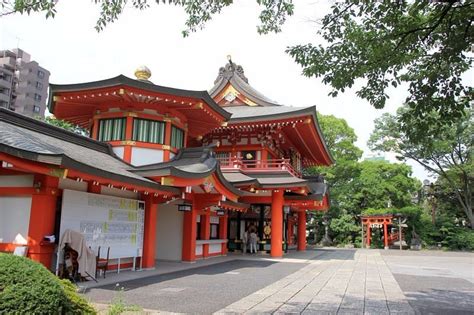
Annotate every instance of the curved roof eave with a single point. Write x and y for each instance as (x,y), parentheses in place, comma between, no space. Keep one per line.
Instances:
(67,162)
(123,80)
(305,111)
(172,168)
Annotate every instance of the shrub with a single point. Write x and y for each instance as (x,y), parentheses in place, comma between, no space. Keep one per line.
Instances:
(27,287)
(76,304)
(345,229)
(460,239)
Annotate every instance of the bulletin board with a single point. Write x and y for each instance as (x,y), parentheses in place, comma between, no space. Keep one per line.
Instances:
(105,221)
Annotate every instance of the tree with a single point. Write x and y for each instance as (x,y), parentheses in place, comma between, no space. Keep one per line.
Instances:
(340,139)
(385,43)
(445,151)
(383,185)
(344,228)
(422,43)
(272,16)
(64,125)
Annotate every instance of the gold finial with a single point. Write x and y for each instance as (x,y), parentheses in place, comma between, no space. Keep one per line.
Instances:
(143,73)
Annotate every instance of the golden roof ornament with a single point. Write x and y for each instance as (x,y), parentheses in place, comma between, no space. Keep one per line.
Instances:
(143,73)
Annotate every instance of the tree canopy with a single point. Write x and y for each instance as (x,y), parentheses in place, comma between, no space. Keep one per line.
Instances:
(356,186)
(445,151)
(424,44)
(272,16)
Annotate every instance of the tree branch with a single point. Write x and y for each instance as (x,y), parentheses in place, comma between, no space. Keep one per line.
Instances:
(325,25)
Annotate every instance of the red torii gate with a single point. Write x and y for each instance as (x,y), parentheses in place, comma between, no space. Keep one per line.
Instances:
(371,221)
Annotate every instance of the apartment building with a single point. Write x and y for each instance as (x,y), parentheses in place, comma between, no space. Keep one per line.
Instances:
(23,83)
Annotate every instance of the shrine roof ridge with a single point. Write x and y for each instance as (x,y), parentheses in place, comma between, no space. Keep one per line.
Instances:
(124,80)
(234,74)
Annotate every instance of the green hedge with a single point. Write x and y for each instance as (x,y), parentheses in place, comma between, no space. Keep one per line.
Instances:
(27,287)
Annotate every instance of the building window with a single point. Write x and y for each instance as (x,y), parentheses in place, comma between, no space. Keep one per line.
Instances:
(40,74)
(177,137)
(36,109)
(151,131)
(37,97)
(112,129)
(39,85)
(5,76)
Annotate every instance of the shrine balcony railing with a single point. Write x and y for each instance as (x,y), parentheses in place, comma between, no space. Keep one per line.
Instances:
(228,164)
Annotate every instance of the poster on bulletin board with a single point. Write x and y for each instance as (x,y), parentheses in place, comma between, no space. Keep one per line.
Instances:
(105,221)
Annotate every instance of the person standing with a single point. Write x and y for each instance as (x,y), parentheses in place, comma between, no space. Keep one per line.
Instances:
(253,242)
(245,240)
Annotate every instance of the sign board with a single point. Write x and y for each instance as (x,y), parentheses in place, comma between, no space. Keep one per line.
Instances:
(220,213)
(105,221)
(185,207)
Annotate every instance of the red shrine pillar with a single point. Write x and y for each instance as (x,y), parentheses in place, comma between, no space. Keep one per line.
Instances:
(277,224)
(149,238)
(385,235)
(42,218)
(223,221)
(188,252)
(302,230)
(368,234)
(205,232)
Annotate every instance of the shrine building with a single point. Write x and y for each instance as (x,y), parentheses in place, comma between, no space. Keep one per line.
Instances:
(166,174)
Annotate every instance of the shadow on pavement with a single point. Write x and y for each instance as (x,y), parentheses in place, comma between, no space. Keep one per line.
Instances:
(339,253)
(442,301)
(215,269)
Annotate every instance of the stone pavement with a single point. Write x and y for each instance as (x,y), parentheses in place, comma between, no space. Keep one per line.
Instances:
(336,283)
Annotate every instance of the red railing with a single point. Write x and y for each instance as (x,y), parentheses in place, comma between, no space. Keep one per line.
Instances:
(258,165)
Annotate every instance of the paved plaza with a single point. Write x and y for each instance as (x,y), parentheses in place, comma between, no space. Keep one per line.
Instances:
(320,281)
(341,282)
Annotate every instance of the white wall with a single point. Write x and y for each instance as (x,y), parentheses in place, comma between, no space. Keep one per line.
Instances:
(169,232)
(144,156)
(118,151)
(16,181)
(14,219)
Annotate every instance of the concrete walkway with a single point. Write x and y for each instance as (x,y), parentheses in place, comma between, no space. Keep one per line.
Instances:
(341,282)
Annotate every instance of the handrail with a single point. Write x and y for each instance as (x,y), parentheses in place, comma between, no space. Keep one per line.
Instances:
(258,165)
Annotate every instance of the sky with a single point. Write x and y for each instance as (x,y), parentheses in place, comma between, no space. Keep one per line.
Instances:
(70,48)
